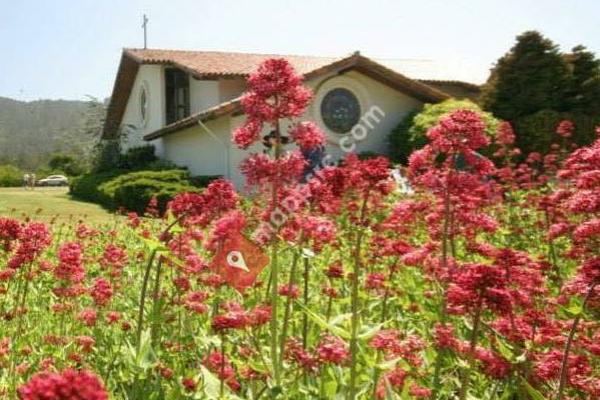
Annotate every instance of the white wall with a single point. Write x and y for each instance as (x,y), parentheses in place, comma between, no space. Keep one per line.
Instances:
(203,94)
(231,88)
(205,155)
(150,77)
(201,152)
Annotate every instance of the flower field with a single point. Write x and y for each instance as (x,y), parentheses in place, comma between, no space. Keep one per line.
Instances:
(483,283)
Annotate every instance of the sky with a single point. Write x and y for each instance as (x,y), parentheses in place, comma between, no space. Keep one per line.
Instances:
(70,49)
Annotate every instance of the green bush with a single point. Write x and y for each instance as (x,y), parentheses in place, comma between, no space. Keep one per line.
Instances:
(536,132)
(10,176)
(138,158)
(133,190)
(410,134)
(86,187)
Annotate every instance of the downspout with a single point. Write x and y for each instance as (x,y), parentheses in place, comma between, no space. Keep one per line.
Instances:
(225,146)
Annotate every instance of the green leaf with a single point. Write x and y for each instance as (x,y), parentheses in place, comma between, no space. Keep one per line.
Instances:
(534,393)
(336,330)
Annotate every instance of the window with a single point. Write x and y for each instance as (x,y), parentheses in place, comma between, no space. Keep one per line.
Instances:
(177,91)
(144,104)
(340,110)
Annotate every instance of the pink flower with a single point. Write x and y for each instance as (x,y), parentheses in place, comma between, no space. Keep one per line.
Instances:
(66,385)
(505,134)
(332,350)
(88,316)
(70,267)
(33,239)
(247,134)
(10,230)
(101,292)
(565,128)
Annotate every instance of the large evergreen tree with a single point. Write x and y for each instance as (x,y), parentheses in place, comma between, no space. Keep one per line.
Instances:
(584,88)
(532,76)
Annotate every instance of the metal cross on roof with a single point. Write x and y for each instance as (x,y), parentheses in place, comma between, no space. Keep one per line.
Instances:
(145,26)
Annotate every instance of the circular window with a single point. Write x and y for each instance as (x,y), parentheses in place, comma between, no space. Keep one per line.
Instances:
(144,104)
(340,110)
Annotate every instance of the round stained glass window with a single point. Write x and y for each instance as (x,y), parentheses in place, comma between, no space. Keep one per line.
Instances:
(340,110)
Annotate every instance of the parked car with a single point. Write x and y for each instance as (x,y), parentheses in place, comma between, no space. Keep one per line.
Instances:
(54,180)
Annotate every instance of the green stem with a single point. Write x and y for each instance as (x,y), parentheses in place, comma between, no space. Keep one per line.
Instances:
(442,312)
(274,301)
(156,302)
(140,320)
(565,359)
(354,303)
(305,316)
(464,387)
(288,308)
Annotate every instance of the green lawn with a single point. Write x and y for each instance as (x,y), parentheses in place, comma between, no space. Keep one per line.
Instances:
(47,203)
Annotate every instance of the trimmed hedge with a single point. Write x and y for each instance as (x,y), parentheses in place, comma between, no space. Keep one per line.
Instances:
(10,176)
(132,190)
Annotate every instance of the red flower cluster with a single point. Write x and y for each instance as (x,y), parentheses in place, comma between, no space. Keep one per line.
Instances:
(219,364)
(67,385)
(307,135)
(10,230)
(33,239)
(70,268)
(332,350)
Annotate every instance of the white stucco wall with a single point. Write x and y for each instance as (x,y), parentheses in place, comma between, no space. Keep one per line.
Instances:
(203,94)
(201,152)
(231,88)
(207,155)
(149,77)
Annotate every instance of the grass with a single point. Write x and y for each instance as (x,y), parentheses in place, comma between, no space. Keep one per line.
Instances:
(46,204)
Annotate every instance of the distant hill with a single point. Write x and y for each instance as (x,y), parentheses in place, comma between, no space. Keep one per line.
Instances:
(31,131)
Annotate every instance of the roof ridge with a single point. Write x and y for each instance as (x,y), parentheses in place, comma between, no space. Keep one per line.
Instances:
(234,52)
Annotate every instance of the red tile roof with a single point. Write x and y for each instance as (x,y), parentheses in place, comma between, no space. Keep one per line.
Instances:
(215,63)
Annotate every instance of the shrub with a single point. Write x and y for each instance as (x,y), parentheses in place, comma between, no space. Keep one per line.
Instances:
(10,176)
(410,134)
(86,187)
(203,180)
(134,190)
(536,132)
(137,158)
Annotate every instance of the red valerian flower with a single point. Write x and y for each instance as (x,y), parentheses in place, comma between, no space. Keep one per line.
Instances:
(101,292)
(565,128)
(88,316)
(230,320)
(247,134)
(33,239)
(395,379)
(479,284)
(10,230)
(459,132)
(260,169)
(505,134)
(219,364)
(66,385)
(332,350)
(275,92)
(296,353)
(307,135)
(70,267)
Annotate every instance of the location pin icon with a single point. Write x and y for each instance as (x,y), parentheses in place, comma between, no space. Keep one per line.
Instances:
(236,260)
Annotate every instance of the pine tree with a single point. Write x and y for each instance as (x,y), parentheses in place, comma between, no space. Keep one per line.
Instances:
(584,87)
(532,76)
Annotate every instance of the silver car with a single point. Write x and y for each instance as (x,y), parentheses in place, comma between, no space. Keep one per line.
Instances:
(54,180)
